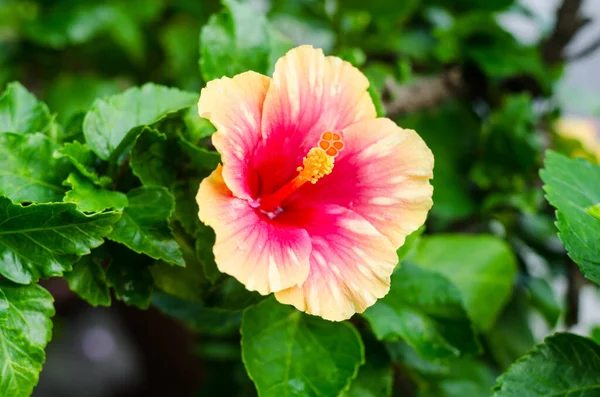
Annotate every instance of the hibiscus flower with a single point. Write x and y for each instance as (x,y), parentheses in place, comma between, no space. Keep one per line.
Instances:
(315,193)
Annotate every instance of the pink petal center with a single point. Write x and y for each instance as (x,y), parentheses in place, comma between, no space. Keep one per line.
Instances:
(316,164)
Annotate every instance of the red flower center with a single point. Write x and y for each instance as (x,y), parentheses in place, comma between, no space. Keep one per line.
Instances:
(315,165)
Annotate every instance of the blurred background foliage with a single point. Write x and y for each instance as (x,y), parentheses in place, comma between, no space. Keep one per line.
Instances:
(484,101)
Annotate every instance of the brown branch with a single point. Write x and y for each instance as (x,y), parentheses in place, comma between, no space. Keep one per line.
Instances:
(426,92)
(590,49)
(569,21)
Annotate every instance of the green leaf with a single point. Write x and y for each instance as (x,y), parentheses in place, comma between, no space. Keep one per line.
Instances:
(113,124)
(543,299)
(88,278)
(287,352)
(594,211)
(467,377)
(83,159)
(69,24)
(425,310)
(482,267)
(452,122)
(44,240)
(28,170)
(179,40)
(410,245)
(70,95)
(24,332)
(144,225)
(564,365)
(511,336)
(21,112)
(153,158)
(572,187)
(201,157)
(198,317)
(374,378)
(90,198)
(129,275)
(236,41)
(187,283)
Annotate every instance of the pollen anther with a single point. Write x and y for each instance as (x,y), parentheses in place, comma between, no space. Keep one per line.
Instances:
(315,165)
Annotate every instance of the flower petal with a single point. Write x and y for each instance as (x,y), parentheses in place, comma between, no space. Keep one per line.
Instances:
(309,94)
(234,106)
(382,174)
(264,255)
(350,265)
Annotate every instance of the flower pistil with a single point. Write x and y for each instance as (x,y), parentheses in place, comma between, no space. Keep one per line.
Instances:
(316,164)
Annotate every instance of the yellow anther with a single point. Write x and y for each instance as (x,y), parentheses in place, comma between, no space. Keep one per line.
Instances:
(315,165)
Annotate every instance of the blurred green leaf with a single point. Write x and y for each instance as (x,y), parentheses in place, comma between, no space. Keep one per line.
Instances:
(482,267)
(454,123)
(573,186)
(594,211)
(477,37)
(144,225)
(374,378)
(307,355)
(236,41)
(511,145)
(21,112)
(467,377)
(197,317)
(384,9)
(180,42)
(84,160)
(543,299)
(187,283)
(28,170)
(44,240)
(113,124)
(71,94)
(410,245)
(25,331)
(129,276)
(233,295)
(425,310)
(91,198)
(88,279)
(488,5)
(75,22)
(511,336)
(565,364)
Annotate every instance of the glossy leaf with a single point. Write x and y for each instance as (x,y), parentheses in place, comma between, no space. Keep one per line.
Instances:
(28,170)
(425,310)
(24,332)
(144,225)
(113,124)
(482,267)
(84,160)
(564,365)
(288,352)
(91,198)
(21,112)
(44,240)
(153,159)
(573,187)
(88,278)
